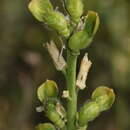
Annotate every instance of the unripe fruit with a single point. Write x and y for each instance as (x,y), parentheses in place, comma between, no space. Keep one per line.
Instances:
(88,112)
(79,40)
(47,90)
(57,21)
(45,126)
(40,9)
(44,12)
(92,22)
(104,97)
(82,39)
(53,115)
(75,9)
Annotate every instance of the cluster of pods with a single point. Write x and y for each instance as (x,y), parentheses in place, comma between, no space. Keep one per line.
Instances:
(101,100)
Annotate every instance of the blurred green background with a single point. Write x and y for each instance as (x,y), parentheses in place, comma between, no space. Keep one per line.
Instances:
(25,63)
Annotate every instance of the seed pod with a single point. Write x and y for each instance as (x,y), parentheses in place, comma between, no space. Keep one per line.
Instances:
(57,21)
(75,9)
(104,97)
(47,90)
(40,9)
(79,40)
(53,115)
(45,126)
(92,23)
(44,12)
(83,38)
(88,112)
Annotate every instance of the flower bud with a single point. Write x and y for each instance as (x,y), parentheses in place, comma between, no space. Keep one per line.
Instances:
(44,12)
(45,126)
(104,97)
(88,112)
(92,23)
(47,90)
(75,9)
(83,38)
(53,115)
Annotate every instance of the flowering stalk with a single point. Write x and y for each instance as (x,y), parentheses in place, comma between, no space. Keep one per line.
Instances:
(71,86)
(78,31)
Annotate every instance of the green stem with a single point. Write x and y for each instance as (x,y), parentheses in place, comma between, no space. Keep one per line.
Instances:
(71,79)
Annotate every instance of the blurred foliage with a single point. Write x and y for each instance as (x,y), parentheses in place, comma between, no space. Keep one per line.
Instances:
(25,63)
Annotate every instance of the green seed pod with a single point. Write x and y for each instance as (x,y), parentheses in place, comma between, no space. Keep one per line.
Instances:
(83,38)
(92,23)
(75,9)
(45,126)
(40,9)
(53,115)
(88,112)
(104,97)
(47,90)
(44,12)
(79,40)
(61,110)
(57,21)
